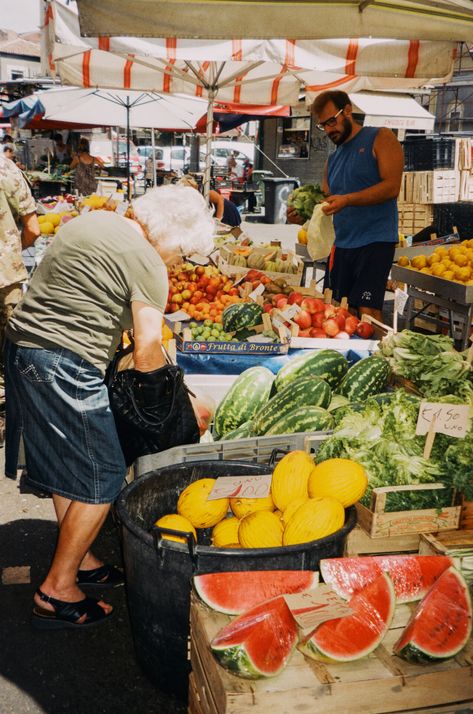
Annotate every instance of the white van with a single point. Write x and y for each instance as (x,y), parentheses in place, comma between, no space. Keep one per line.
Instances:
(222,149)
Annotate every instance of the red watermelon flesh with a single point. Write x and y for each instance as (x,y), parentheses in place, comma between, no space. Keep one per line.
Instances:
(234,593)
(259,642)
(412,575)
(348,638)
(441,625)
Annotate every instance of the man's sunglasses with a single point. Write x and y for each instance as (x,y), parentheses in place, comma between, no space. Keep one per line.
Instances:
(331,121)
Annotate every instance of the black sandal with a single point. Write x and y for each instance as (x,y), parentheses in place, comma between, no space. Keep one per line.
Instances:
(106,576)
(67,614)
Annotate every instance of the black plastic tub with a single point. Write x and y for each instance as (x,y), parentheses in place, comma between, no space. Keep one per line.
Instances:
(159,572)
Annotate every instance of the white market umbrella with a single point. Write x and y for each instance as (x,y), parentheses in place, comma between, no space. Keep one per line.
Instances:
(238,71)
(304,19)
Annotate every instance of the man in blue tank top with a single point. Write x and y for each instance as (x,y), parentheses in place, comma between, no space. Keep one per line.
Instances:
(361,181)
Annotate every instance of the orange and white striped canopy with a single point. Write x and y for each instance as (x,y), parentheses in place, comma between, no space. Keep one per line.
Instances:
(264,72)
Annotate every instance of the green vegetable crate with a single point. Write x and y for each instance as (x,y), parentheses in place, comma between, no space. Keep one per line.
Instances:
(376,684)
(381,524)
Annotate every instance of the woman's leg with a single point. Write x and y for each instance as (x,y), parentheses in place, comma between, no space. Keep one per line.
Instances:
(61,504)
(80,526)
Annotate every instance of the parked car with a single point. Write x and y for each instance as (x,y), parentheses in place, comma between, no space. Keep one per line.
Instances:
(113,152)
(168,158)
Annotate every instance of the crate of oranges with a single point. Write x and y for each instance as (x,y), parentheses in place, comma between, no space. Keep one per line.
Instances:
(453,264)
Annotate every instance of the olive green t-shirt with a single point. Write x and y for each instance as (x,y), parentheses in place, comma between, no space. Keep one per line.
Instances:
(81,293)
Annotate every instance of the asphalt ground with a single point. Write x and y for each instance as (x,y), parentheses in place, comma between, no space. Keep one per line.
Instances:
(93,671)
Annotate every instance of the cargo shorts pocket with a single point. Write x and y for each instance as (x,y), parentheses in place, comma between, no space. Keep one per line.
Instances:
(37,365)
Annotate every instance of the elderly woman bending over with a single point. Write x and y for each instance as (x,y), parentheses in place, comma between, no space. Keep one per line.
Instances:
(103,274)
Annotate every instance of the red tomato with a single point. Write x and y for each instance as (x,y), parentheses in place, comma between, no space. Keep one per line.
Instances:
(318,319)
(277,297)
(340,320)
(267,307)
(342,312)
(295,297)
(303,319)
(312,305)
(317,332)
(330,311)
(331,327)
(304,333)
(351,323)
(365,330)
(281,303)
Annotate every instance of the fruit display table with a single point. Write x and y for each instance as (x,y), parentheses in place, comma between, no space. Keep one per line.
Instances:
(376,684)
(455,298)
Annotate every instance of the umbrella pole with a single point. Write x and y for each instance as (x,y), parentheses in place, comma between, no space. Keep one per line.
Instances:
(153,154)
(128,173)
(208,141)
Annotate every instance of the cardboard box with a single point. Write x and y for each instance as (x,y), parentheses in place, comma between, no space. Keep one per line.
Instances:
(237,271)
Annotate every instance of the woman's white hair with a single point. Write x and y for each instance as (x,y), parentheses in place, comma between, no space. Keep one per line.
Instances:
(177,218)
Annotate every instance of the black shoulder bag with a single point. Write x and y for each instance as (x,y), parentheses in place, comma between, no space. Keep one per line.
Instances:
(152,410)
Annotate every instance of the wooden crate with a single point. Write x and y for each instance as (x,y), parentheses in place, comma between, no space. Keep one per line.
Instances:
(452,543)
(360,543)
(379,523)
(413,217)
(376,684)
(422,187)
(466,517)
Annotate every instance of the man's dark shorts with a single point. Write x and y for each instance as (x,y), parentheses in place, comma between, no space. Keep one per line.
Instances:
(360,274)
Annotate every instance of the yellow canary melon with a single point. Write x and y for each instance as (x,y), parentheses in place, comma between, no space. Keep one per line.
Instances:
(54,218)
(302,236)
(242,506)
(46,228)
(42,218)
(176,523)
(343,479)
(226,532)
(403,261)
(316,518)
(292,508)
(193,504)
(260,529)
(290,477)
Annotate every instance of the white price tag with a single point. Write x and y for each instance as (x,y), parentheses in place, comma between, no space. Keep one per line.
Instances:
(313,607)
(290,311)
(450,419)
(241,487)
(122,208)
(259,290)
(179,316)
(400,299)
(199,259)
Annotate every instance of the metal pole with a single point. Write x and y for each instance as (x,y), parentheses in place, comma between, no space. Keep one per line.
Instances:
(153,154)
(128,173)
(208,141)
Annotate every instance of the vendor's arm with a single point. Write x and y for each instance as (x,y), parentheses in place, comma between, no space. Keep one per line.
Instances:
(216,199)
(147,328)
(389,154)
(74,162)
(30,230)
(99,161)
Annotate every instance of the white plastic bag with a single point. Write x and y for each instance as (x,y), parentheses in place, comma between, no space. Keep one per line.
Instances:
(320,234)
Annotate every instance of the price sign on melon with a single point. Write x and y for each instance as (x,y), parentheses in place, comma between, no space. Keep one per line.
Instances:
(241,487)
(313,607)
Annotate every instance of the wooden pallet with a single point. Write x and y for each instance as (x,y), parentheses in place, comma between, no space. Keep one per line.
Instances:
(360,543)
(376,684)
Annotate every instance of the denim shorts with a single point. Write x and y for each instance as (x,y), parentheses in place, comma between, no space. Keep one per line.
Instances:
(59,404)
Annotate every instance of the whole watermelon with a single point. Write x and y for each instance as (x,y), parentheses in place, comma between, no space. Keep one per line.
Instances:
(240,315)
(246,396)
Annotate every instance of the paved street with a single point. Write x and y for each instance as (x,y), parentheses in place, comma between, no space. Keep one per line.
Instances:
(89,672)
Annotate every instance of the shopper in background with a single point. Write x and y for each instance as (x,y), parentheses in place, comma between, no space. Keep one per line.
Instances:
(62,152)
(19,228)
(85,181)
(362,180)
(7,139)
(103,274)
(9,153)
(225,211)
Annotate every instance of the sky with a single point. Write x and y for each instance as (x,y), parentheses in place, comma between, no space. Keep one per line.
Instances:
(21,16)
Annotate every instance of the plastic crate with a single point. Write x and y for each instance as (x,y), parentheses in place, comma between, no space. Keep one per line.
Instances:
(454,216)
(257,449)
(422,154)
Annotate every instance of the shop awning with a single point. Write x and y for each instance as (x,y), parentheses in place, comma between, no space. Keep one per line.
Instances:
(396,111)
(450,20)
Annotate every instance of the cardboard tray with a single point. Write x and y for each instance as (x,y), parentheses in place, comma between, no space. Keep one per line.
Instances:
(456,292)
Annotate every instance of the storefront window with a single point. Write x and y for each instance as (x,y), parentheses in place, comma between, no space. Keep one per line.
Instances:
(294,138)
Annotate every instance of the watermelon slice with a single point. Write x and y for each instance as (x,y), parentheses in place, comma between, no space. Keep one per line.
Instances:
(258,643)
(234,593)
(348,638)
(441,625)
(412,575)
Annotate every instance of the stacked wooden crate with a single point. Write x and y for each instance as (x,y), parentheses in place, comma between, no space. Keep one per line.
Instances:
(413,217)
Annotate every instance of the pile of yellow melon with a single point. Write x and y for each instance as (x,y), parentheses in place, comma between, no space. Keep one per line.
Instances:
(306,502)
(50,223)
(454,263)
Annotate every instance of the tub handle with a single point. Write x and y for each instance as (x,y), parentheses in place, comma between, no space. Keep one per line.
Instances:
(274,455)
(158,532)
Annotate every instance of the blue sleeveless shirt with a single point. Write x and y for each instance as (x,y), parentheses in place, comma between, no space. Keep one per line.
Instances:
(351,168)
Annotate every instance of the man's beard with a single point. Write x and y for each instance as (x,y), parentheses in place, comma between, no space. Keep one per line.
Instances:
(340,137)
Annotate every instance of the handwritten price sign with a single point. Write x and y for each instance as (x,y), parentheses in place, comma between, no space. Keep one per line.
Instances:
(313,607)
(241,487)
(449,419)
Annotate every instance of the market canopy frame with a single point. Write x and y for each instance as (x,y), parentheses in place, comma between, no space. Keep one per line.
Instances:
(441,20)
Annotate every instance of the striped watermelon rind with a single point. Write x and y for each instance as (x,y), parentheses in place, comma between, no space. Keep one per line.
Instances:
(240,315)
(329,365)
(302,419)
(441,625)
(304,391)
(244,431)
(247,394)
(364,378)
